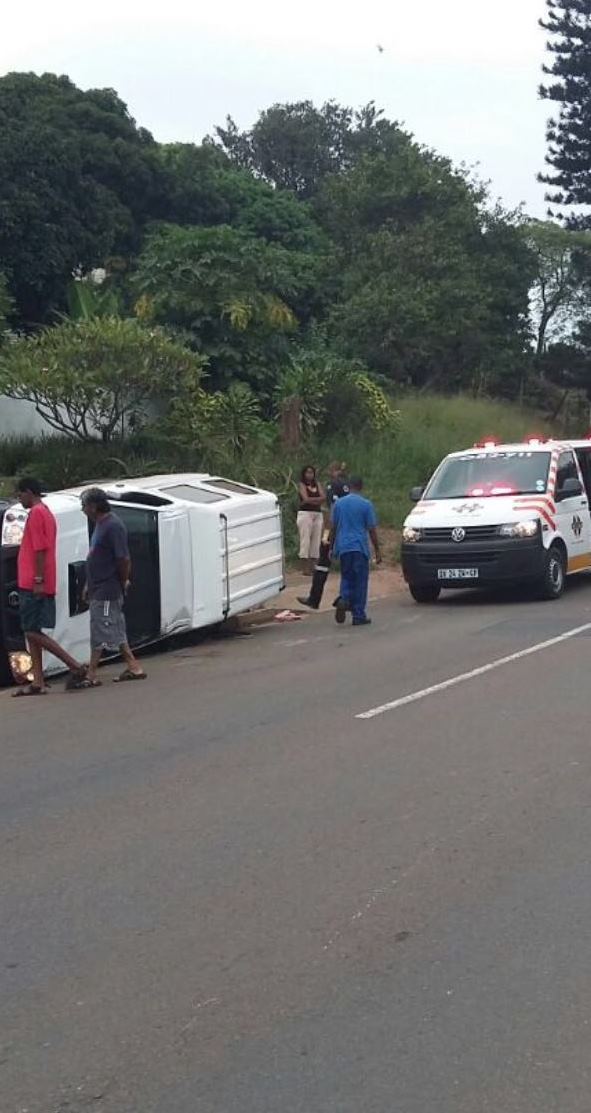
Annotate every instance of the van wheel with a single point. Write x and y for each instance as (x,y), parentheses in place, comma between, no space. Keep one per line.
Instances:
(554,578)
(425,593)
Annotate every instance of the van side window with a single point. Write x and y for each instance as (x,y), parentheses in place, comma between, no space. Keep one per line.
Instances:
(76,585)
(584,458)
(567,469)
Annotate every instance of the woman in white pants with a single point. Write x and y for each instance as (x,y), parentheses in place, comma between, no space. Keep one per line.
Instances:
(310,518)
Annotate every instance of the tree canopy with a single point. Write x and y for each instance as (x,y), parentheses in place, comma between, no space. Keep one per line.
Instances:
(324,228)
(569,132)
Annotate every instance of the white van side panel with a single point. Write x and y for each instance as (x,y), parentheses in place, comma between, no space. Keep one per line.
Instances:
(72,633)
(177,576)
(207,562)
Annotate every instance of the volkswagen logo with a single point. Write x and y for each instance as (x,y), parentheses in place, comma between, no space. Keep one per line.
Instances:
(458,534)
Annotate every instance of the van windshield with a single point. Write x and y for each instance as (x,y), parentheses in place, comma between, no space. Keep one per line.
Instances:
(490,474)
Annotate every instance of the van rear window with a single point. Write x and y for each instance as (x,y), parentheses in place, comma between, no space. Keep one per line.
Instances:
(490,474)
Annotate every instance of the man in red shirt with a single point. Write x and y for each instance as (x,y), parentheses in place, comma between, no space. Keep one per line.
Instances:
(37,581)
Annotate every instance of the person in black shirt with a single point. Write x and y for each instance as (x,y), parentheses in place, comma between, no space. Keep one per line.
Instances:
(310,519)
(337,485)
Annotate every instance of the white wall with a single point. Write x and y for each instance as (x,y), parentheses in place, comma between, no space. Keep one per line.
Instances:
(20,418)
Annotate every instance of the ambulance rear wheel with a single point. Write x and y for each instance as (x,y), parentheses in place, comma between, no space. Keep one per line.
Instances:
(554,579)
(425,593)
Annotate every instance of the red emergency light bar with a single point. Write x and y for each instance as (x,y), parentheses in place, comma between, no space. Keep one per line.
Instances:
(490,442)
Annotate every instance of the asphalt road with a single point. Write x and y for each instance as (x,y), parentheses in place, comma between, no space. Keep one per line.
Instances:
(222,891)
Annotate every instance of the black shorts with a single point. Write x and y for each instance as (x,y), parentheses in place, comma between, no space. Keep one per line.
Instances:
(37,612)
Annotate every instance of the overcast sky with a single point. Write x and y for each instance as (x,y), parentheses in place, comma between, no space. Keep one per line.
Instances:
(462,75)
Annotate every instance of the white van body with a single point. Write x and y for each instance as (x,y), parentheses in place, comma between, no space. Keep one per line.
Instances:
(203,550)
(499,514)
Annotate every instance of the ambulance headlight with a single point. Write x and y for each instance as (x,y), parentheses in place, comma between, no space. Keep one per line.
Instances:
(411,535)
(521,530)
(13,526)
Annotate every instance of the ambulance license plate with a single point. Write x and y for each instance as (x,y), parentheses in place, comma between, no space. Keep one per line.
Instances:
(457,573)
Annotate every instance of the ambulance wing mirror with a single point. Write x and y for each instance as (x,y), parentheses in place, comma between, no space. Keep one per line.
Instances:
(570,489)
(416,494)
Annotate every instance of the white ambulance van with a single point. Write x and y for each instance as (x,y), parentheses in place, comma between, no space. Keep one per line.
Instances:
(501,514)
(203,548)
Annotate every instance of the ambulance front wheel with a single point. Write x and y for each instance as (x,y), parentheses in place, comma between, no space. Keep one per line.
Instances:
(425,593)
(554,578)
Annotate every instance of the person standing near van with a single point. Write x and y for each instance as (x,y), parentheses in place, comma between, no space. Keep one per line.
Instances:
(337,485)
(310,519)
(108,572)
(354,524)
(37,585)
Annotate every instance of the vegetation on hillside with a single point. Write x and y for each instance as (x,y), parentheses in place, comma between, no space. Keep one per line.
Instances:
(302,288)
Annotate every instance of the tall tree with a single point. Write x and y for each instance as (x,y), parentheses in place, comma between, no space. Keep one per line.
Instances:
(296,146)
(233,296)
(78,180)
(569,132)
(434,288)
(559,295)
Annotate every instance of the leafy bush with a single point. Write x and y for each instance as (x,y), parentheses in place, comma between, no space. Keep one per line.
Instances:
(97,377)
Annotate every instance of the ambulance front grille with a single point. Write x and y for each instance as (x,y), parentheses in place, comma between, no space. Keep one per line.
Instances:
(473,533)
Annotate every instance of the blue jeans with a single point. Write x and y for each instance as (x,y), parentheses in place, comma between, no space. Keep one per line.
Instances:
(355,582)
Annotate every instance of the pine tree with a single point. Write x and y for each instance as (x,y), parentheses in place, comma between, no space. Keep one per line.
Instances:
(569,134)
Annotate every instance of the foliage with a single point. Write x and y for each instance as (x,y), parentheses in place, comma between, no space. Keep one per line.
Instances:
(434,287)
(234,296)
(559,295)
(78,179)
(92,295)
(569,134)
(6,305)
(332,392)
(297,146)
(97,378)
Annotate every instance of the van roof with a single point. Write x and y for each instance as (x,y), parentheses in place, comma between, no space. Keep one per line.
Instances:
(162,484)
(520,446)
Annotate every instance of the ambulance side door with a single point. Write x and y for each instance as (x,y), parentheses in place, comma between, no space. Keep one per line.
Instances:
(572,512)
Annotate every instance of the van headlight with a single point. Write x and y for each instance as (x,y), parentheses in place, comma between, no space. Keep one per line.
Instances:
(521,530)
(13,526)
(411,535)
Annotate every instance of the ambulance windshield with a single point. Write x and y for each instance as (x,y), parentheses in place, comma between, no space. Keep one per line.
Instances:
(491,474)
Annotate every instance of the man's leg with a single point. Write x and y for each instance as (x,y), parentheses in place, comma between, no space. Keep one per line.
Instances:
(345,599)
(56,650)
(36,660)
(361,586)
(132,662)
(95,656)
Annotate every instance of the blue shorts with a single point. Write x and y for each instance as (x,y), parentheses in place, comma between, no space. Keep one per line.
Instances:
(37,612)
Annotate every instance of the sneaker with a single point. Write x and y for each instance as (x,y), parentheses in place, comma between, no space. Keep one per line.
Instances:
(340,611)
(362,621)
(306,602)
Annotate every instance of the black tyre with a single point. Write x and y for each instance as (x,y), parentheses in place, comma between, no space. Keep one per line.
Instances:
(6,677)
(553,581)
(425,593)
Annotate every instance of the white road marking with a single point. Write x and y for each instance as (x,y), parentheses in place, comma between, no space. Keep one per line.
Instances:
(414,697)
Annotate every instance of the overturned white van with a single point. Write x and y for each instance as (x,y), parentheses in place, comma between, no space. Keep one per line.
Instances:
(203,549)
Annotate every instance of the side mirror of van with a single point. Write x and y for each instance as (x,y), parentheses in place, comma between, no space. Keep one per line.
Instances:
(416,494)
(570,489)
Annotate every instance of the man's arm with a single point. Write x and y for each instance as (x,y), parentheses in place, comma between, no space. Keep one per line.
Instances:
(121,553)
(372,523)
(40,543)
(39,585)
(334,522)
(373,533)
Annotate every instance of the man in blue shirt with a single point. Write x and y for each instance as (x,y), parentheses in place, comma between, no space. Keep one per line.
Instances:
(354,523)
